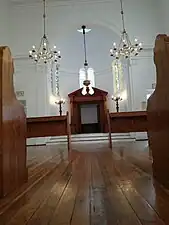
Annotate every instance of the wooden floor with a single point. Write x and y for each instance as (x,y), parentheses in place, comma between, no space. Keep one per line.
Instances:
(98,188)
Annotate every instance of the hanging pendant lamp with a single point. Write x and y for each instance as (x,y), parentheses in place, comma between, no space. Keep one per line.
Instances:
(87,88)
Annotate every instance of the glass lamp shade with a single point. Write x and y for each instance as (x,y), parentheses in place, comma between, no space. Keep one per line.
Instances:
(84,91)
(117,98)
(87,90)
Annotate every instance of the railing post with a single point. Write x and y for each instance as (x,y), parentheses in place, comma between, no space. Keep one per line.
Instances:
(109,129)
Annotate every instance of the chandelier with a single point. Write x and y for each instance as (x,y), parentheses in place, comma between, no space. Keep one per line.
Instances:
(87,88)
(125,48)
(44,53)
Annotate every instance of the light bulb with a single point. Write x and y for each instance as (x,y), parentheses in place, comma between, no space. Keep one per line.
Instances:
(84,92)
(91,91)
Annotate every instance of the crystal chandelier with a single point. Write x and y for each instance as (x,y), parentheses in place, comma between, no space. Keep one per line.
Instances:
(44,53)
(87,88)
(125,48)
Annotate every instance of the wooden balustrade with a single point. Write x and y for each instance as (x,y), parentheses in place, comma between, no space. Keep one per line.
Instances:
(49,126)
(125,122)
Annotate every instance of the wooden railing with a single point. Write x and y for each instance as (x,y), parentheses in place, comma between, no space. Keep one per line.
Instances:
(125,122)
(49,126)
(109,129)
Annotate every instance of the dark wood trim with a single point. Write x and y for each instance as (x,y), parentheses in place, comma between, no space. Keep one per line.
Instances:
(45,119)
(129,114)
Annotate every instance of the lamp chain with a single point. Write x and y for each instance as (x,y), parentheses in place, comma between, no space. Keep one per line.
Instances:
(85,49)
(122,15)
(44,17)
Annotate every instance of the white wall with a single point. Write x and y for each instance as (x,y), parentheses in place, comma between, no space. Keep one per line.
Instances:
(32,80)
(4,22)
(21,27)
(163,16)
(143,75)
(104,19)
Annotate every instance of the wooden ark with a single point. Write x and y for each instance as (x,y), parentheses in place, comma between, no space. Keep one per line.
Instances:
(13,171)
(158,112)
(77,99)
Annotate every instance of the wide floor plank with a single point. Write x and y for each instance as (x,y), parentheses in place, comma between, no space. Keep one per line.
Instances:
(82,209)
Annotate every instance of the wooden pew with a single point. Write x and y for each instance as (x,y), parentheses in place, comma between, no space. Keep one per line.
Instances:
(49,126)
(125,122)
(13,171)
(158,112)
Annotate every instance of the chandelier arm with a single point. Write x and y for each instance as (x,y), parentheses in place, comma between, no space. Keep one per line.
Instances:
(128,39)
(122,16)
(47,44)
(41,41)
(121,41)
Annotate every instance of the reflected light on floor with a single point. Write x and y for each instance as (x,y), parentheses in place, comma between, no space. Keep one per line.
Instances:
(127,186)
